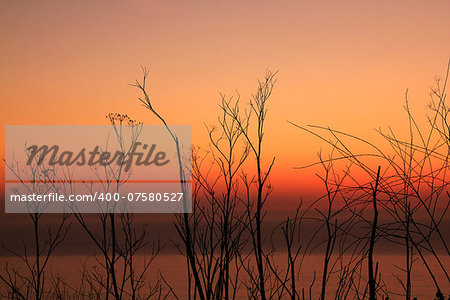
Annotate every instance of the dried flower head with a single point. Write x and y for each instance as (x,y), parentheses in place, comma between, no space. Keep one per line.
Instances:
(122,119)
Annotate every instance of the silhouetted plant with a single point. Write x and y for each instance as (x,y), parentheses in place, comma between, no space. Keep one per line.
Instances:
(413,189)
(29,282)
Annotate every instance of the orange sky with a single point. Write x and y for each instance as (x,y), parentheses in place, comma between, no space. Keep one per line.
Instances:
(345,64)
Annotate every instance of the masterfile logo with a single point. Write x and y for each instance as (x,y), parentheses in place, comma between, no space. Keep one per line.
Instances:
(91,169)
(97,157)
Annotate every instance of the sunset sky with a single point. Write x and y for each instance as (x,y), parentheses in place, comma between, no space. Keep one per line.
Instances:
(344,64)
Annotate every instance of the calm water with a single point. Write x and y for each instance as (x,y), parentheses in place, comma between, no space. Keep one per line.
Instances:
(173,270)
